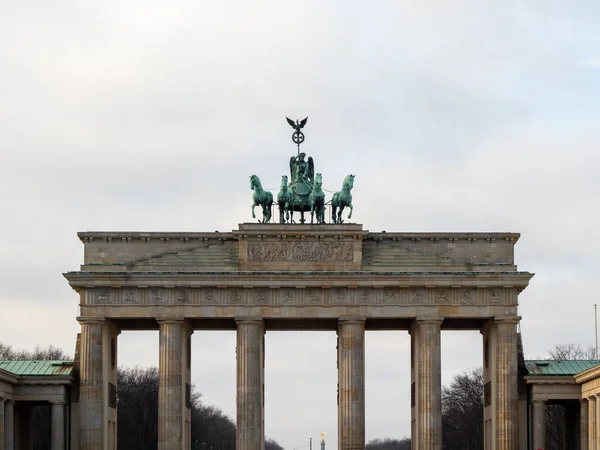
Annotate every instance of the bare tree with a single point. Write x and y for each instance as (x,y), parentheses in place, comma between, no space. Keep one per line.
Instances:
(571,351)
(462,412)
(388,444)
(39,353)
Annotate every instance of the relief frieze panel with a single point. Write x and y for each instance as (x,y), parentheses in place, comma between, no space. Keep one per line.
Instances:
(157,296)
(300,251)
(301,296)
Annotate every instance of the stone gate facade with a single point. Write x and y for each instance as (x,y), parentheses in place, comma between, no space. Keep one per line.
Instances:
(264,277)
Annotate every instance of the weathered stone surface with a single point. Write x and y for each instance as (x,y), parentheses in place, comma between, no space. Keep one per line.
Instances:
(174,385)
(91,381)
(427,382)
(299,277)
(351,384)
(250,379)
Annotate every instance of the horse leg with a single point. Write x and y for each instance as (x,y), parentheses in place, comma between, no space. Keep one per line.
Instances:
(340,220)
(253,215)
(351,208)
(312,212)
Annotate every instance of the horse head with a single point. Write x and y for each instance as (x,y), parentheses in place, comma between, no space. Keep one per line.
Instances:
(348,182)
(318,181)
(254,182)
(284,182)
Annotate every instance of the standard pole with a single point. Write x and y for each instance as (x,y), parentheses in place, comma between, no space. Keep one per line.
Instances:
(310,443)
(596,329)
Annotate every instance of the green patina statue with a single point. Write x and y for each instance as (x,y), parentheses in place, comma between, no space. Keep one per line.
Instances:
(262,198)
(285,200)
(317,200)
(304,192)
(342,199)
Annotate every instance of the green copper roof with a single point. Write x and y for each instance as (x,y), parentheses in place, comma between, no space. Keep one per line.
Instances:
(541,367)
(38,368)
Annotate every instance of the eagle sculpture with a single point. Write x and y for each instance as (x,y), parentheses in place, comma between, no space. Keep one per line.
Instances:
(297,125)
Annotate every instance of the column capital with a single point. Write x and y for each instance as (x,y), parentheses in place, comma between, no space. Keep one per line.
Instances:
(592,398)
(349,319)
(583,400)
(249,320)
(539,400)
(170,320)
(429,319)
(58,402)
(507,320)
(91,320)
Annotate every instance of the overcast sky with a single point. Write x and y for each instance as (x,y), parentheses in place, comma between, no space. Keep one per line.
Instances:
(454,116)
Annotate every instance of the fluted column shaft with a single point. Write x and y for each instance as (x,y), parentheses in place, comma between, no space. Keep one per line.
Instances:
(58,426)
(351,384)
(427,383)
(539,424)
(173,434)
(9,424)
(592,423)
(250,385)
(583,424)
(91,410)
(507,417)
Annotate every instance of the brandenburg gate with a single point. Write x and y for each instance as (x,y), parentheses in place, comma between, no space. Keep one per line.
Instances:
(264,277)
(297,276)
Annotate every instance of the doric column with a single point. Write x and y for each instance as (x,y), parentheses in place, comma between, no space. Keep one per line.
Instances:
(91,385)
(592,423)
(507,420)
(9,424)
(426,389)
(351,384)
(583,424)
(58,425)
(250,384)
(2,432)
(539,424)
(174,387)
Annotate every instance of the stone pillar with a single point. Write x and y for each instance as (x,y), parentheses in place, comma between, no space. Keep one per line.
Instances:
(250,384)
(174,387)
(583,424)
(9,424)
(539,424)
(592,423)
(351,384)
(507,421)
(426,388)
(2,425)
(58,426)
(91,390)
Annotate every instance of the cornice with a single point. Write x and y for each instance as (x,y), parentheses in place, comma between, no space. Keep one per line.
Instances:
(8,377)
(500,236)
(46,380)
(507,280)
(550,379)
(588,375)
(274,230)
